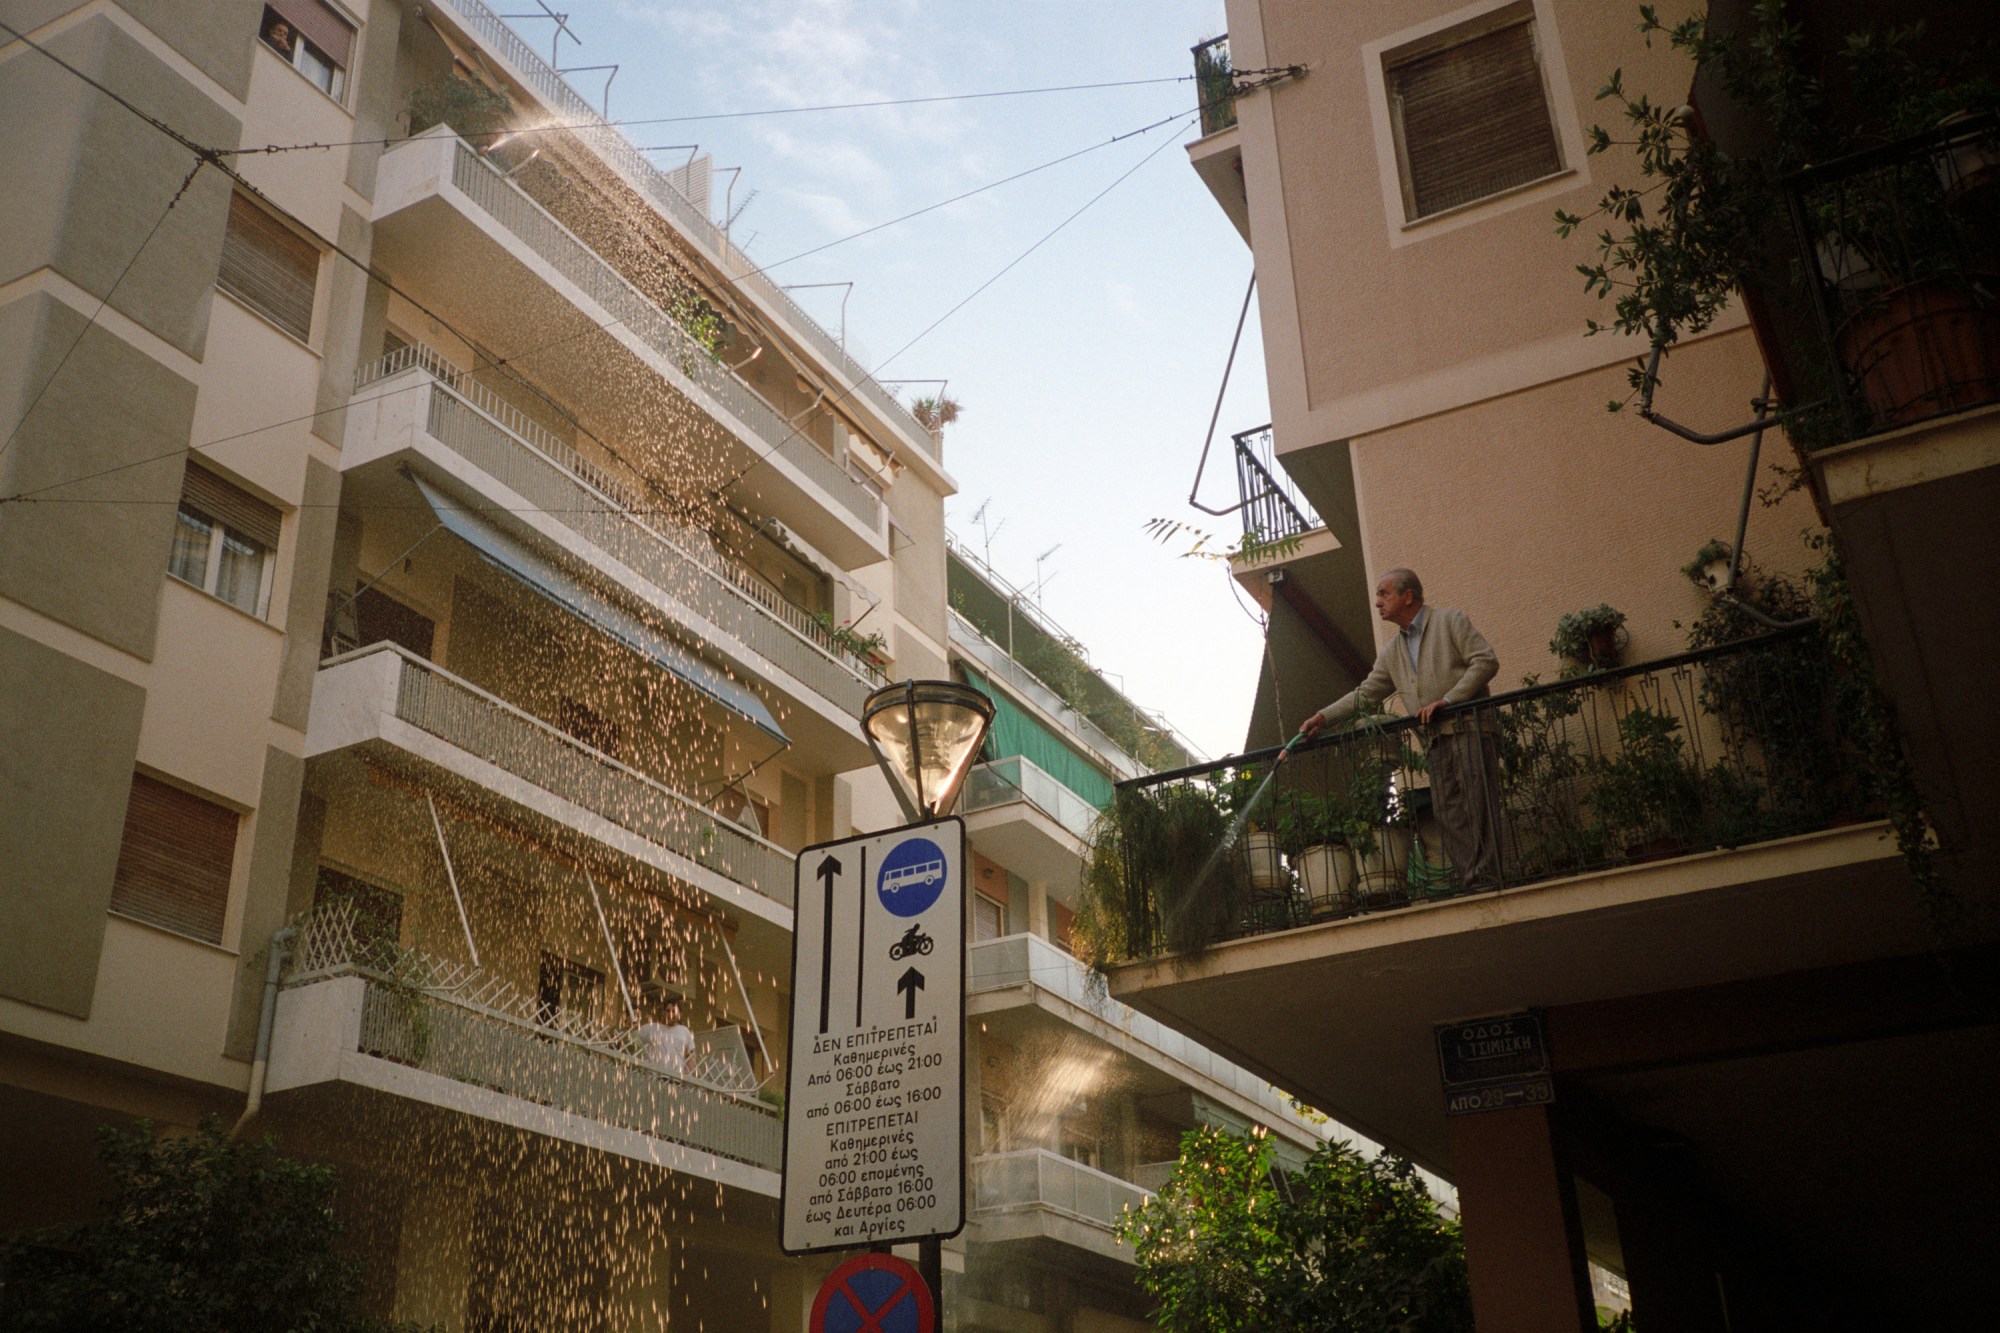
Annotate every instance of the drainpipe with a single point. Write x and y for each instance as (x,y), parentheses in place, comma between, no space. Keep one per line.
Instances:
(262,1064)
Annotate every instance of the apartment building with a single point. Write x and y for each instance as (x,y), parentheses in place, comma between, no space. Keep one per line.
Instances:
(1081,1101)
(434,540)
(1720,994)
(441,577)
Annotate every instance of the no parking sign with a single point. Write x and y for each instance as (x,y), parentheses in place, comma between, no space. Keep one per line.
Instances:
(874,1293)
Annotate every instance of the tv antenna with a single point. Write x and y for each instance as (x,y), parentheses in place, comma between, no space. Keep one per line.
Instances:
(986,533)
(1041,582)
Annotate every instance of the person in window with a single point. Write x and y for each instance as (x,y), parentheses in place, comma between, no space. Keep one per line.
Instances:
(666,1042)
(278,34)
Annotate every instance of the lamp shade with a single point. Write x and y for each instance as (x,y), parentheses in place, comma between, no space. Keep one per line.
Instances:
(926,735)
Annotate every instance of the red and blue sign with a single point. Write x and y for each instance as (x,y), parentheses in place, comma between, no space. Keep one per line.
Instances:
(874,1293)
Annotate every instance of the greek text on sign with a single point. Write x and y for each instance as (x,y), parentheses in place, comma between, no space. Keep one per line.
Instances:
(1492,1064)
(875,1113)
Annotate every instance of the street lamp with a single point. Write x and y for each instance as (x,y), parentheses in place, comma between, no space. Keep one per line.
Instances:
(926,734)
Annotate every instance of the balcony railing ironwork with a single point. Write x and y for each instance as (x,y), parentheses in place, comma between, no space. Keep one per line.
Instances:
(1715,749)
(1899,256)
(471,1027)
(1272,509)
(1018,778)
(485,185)
(1215,84)
(472,421)
(583,120)
(468,718)
(1036,1178)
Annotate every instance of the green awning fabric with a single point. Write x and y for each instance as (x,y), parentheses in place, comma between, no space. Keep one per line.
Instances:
(1015,733)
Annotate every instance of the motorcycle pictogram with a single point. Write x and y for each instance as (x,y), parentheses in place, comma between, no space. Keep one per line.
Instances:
(914,942)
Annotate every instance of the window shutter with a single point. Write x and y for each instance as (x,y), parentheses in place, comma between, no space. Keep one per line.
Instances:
(1474,118)
(173,869)
(269,267)
(231,504)
(318,24)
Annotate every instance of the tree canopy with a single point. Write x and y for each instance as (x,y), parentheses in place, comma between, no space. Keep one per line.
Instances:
(1349,1244)
(199,1235)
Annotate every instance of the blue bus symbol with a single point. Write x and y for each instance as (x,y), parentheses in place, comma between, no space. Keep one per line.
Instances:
(912,876)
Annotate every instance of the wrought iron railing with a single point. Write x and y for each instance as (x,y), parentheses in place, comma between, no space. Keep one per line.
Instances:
(1215,84)
(485,185)
(472,1027)
(474,422)
(1720,748)
(1272,509)
(1004,781)
(583,120)
(1899,252)
(1035,1178)
(468,718)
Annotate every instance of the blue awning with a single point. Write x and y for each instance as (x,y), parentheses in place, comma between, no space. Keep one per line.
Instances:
(513,558)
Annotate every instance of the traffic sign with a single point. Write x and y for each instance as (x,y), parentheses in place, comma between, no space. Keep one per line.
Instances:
(877,1292)
(875,1081)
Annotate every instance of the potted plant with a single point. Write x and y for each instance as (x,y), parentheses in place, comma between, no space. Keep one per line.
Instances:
(1246,800)
(1593,637)
(1314,832)
(1706,223)
(1712,567)
(1156,878)
(1380,830)
(1649,797)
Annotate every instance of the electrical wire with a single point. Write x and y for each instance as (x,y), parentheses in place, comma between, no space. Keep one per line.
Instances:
(575,126)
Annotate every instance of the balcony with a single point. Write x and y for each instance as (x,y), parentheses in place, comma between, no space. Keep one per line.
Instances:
(1273,509)
(393,1034)
(490,29)
(1029,821)
(411,408)
(1215,84)
(1034,1194)
(384,703)
(490,258)
(1218,155)
(967,638)
(1693,823)
(1019,973)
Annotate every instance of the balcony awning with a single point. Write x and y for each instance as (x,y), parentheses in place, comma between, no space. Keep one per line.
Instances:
(514,559)
(1014,732)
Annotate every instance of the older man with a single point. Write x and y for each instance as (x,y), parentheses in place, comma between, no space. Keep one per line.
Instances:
(1437,659)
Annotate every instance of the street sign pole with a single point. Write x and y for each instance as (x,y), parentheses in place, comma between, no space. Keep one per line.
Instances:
(875,1076)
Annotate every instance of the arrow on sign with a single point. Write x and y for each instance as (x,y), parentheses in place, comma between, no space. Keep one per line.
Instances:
(908,985)
(829,870)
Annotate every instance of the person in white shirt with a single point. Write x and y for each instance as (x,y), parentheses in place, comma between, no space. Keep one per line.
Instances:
(666,1042)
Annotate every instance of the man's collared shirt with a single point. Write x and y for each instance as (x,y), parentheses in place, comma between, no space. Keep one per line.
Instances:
(1412,633)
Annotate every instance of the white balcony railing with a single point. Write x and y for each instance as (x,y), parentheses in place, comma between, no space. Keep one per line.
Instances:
(468,718)
(1037,1178)
(470,1027)
(1015,960)
(584,121)
(486,189)
(1020,779)
(468,418)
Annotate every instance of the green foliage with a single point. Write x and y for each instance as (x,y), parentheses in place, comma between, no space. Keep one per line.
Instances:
(1215,82)
(869,647)
(1651,789)
(474,111)
(698,319)
(1674,251)
(1348,1245)
(1576,630)
(1541,771)
(1153,879)
(937,412)
(199,1235)
(1252,548)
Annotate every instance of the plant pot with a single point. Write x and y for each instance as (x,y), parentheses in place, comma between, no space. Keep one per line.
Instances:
(1326,874)
(1267,864)
(1922,350)
(1604,647)
(1653,849)
(1381,874)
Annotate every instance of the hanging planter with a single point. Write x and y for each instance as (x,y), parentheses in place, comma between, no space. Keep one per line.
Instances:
(1594,637)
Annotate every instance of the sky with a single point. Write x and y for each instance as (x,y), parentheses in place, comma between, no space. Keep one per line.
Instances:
(1088,372)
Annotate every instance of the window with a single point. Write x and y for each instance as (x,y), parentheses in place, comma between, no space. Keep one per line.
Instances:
(989,919)
(570,995)
(1470,112)
(269,267)
(1085,1149)
(224,540)
(174,864)
(314,38)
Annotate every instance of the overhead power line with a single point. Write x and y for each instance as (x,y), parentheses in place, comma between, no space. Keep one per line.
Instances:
(572,126)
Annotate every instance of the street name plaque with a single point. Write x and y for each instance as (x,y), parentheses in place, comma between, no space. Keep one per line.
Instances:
(875,1079)
(1491,1064)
